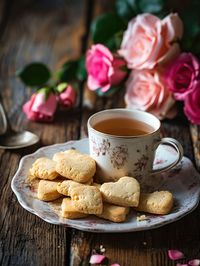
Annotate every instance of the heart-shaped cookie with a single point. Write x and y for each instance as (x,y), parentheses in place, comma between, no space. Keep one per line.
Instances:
(87,199)
(75,166)
(124,192)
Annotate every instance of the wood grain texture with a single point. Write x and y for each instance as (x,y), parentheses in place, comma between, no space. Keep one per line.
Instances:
(4,13)
(195,136)
(41,33)
(53,31)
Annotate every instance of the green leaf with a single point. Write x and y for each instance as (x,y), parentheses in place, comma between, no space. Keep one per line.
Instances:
(196,48)
(68,71)
(118,39)
(72,70)
(81,73)
(124,68)
(105,27)
(191,20)
(151,6)
(127,9)
(61,87)
(34,74)
(114,43)
(108,93)
(191,45)
(46,91)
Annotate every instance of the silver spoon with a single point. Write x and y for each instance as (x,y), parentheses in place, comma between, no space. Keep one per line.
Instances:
(10,139)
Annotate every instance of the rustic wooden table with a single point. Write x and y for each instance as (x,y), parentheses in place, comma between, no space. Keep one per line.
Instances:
(52,31)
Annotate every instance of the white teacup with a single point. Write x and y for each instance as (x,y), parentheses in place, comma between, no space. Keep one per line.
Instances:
(117,155)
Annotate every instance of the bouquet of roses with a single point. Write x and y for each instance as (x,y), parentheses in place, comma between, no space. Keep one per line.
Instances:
(150,65)
(146,51)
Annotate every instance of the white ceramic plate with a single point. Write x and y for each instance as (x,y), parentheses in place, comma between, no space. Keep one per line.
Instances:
(183,181)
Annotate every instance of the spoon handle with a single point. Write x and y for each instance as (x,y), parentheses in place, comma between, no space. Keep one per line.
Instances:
(3,119)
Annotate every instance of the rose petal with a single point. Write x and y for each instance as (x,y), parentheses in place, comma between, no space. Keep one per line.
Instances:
(194,262)
(115,264)
(180,264)
(174,27)
(148,39)
(103,68)
(175,254)
(96,258)
(44,106)
(40,109)
(169,56)
(146,91)
(68,97)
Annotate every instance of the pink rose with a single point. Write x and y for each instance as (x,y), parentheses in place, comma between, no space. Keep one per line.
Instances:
(145,91)
(67,97)
(104,69)
(40,109)
(192,106)
(182,75)
(149,40)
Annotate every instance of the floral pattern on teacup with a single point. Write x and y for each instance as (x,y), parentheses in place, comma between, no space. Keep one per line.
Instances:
(118,154)
(101,148)
(140,165)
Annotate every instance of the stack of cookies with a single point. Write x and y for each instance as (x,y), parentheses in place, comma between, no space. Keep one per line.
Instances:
(70,174)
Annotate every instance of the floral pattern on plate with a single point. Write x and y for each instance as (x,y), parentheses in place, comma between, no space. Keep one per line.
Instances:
(183,181)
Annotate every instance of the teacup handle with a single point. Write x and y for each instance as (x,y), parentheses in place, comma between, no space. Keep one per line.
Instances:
(178,148)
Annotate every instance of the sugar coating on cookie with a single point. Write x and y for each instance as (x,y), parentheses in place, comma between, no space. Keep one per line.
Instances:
(66,186)
(87,199)
(124,192)
(158,202)
(76,166)
(44,168)
(114,213)
(47,190)
(69,211)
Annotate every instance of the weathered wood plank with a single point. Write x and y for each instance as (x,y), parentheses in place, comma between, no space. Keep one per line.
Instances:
(42,34)
(4,13)
(24,238)
(147,248)
(195,136)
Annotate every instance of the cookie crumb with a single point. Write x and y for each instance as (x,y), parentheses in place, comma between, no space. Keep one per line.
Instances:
(142,218)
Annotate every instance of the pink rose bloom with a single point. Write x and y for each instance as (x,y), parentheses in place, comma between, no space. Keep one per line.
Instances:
(104,69)
(192,105)
(40,109)
(149,40)
(67,98)
(145,91)
(182,75)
